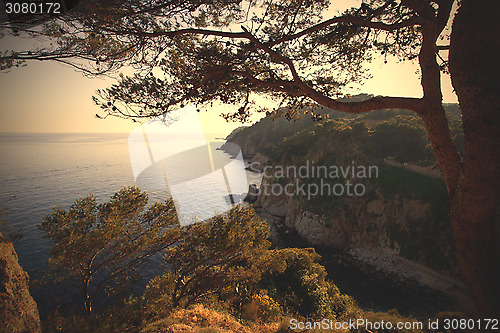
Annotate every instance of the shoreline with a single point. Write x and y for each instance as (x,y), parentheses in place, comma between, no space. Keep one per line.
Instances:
(416,289)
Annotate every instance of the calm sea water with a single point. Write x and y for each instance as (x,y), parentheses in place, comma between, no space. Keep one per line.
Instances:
(41,171)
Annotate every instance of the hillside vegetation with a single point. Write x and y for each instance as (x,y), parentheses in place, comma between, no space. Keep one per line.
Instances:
(413,222)
(223,276)
(392,131)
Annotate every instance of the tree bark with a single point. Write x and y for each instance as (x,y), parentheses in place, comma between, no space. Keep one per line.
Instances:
(474,206)
(87,300)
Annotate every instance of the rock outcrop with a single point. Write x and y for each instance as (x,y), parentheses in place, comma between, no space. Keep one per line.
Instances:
(399,209)
(395,225)
(360,223)
(18,310)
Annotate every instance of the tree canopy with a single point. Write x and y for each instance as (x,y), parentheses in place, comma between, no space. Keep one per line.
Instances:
(216,254)
(226,259)
(103,245)
(201,51)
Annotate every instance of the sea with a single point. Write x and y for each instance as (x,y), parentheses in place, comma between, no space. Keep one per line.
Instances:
(42,171)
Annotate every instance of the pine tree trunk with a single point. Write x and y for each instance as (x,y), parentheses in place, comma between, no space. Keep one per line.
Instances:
(474,206)
(86,297)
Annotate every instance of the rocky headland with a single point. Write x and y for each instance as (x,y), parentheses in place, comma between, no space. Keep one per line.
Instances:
(398,228)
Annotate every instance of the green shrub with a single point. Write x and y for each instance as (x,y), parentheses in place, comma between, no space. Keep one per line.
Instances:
(298,282)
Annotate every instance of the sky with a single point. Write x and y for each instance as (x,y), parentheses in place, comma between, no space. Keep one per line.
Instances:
(51,97)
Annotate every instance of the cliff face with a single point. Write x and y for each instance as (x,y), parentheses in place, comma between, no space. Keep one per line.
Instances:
(18,310)
(397,225)
(401,212)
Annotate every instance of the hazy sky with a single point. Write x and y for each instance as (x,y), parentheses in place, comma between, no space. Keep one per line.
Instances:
(50,97)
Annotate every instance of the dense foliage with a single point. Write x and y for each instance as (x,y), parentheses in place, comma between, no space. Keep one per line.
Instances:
(395,133)
(402,138)
(225,263)
(226,260)
(102,246)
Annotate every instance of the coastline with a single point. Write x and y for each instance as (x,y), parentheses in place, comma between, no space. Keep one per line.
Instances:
(381,283)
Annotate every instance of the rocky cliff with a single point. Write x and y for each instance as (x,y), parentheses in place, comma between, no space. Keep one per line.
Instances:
(400,212)
(18,310)
(396,225)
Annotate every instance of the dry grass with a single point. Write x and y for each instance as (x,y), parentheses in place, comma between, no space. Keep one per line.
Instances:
(200,319)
